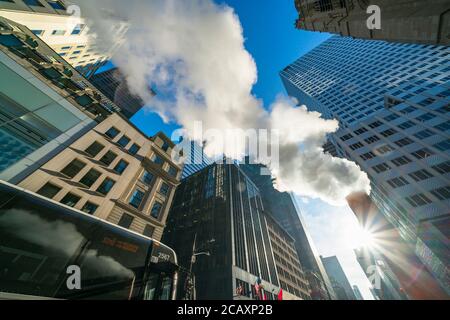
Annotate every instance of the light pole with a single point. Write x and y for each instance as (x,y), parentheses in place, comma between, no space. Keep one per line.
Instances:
(191,276)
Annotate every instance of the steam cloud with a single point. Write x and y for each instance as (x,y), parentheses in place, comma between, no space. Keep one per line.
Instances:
(193,52)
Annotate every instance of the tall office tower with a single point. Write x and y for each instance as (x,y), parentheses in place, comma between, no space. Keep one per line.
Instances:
(357,293)
(218,217)
(417,283)
(45,104)
(61,138)
(338,289)
(415,21)
(392,102)
(284,210)
(114,85)
(196,159)
(384,282)
(291,275)
(335,271)
(67,35)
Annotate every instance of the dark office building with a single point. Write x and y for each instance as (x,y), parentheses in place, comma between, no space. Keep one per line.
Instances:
(113,85)
(337,275)
(287,214)
(386,285)
(218,215)
(415,21)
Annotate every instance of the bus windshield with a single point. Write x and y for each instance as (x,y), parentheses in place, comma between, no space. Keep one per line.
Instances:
(47,250)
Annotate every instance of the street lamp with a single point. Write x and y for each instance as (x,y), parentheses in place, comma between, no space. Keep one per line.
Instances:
(191,277)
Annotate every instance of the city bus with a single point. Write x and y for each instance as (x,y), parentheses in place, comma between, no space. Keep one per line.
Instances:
(51,251)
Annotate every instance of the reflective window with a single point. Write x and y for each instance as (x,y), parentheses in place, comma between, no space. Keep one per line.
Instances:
(73,168)
(106,186)
(90,177)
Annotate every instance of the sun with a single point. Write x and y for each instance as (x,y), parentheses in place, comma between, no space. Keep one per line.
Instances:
(365,238)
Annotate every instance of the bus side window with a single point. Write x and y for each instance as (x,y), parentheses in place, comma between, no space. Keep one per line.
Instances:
(39,240)
(112,265)
(166,288)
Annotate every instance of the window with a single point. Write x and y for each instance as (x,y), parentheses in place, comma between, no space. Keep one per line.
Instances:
(423,153)
(424,134)
(400,161)
(49,190)
(164,190)
(442,168)
(418,200)
(123,141)
(108,158)
(368,156)
(38,32)
(392,117)
(165,146)
(420,175)
(70,199)
(57,5)
(347,137)
(35,3)
(156,210)
(408,110)
(126,220)
(356,146)
(73,168)
(371,139)
(106,186)
(445,126)
(388,132)
(398,182)
(444,109)
(121,166)
(148,231)
(406,125)
(158,160)
(89,207)
(360,131)
(147,178)
(58,32)
(90,177)
(94,149)
(403,142)
(426,117)
(443,145)
(136,198)
(78,29)
(112,132)
(134,149)
(172,171)
(442,193)
(381,167)
(375,124)
(385,149)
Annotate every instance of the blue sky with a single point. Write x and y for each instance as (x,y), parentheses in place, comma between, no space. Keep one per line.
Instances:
(274,43)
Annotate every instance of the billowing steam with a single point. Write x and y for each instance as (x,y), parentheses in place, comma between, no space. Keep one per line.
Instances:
(193,53)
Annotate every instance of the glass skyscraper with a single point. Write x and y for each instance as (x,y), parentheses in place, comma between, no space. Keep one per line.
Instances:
(196,159)
(393,104)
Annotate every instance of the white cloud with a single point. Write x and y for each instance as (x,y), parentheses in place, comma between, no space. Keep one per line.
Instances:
(193,53)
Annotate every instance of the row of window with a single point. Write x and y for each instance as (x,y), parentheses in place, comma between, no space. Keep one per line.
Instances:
(50,190)
(113,132)
(126,220)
